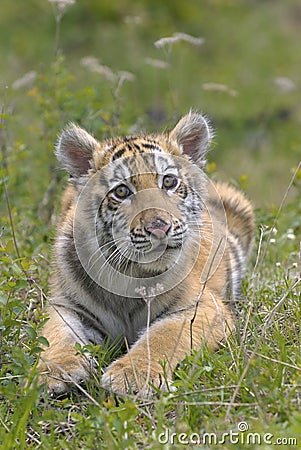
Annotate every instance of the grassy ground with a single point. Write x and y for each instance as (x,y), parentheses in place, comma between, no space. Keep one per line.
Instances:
(246,77)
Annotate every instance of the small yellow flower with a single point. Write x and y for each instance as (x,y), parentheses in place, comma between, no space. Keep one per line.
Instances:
(33,92)
(211,167)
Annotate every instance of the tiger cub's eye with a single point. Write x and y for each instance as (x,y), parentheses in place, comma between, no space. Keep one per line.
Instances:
(121,192)
(169,181)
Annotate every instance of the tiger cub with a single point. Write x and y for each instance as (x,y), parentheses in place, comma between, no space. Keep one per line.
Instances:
(148,252)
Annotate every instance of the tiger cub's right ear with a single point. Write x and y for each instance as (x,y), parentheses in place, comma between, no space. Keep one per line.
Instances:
(194,135)
(75,150)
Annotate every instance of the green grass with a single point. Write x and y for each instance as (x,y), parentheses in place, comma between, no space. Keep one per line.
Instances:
(255,376)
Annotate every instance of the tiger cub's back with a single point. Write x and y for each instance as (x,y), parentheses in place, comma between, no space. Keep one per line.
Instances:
(240,223)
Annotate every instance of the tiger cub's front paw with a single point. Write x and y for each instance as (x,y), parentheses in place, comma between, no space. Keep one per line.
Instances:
(61,377)
(123,378)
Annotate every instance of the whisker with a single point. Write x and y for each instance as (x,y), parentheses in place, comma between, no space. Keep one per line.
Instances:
(111,243)
(108,259)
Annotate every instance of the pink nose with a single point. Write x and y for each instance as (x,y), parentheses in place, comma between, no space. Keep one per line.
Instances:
(158,227)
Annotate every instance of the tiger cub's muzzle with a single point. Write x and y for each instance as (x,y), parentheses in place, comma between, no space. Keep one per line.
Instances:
(158,227)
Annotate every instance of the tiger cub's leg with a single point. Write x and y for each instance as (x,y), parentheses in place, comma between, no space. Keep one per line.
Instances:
(60,366)
(169,340)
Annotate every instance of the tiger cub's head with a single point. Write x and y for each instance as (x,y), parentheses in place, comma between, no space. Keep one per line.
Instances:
(139,198)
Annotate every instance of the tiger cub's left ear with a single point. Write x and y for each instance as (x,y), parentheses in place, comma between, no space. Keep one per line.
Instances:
(194,135)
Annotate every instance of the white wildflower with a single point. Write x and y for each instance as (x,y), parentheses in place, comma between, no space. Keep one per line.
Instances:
(278,264)
(285,84)
(27,79)
(272,241)
(291,236)
(177,37)
(156,290)
(122,77)
(141,291)
(220,88)
(274,230)
(151,292)
(93,65)
(62,4)
(126,76)
(191,39)
(158,63)
(136,20)
(167,40)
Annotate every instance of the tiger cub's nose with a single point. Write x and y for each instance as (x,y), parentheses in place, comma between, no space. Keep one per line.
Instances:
(158,227)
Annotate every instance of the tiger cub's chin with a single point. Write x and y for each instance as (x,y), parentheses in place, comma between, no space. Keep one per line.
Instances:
(148,251)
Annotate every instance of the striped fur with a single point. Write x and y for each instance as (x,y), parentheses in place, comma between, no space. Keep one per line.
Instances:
(154,215)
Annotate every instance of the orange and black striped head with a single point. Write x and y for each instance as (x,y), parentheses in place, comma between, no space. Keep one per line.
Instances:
(143,194)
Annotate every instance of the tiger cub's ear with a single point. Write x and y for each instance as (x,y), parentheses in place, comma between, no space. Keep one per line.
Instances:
(75,150)
(194,135)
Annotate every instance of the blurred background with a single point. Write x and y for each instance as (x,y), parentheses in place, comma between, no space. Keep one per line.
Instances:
(119,67)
